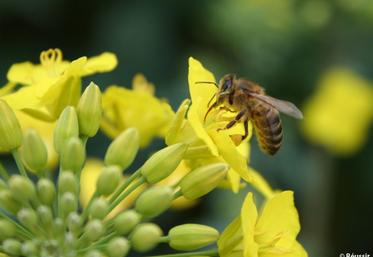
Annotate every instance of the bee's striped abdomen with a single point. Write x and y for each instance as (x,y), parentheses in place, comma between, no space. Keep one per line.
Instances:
(268,128)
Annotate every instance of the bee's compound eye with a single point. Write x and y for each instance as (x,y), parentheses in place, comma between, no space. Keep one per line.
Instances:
(227,84)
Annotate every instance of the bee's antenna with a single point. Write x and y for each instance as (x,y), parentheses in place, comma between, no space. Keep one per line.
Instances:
(207,82)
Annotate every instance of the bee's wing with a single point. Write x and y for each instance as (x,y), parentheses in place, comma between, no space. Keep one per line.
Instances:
(285,107)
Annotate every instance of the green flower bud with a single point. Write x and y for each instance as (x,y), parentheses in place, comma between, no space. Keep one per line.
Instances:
(34,152)
(154,201)
(67,182)
(94,230)
(29,248)
(10,130)
(12,247)
(74,222)
(27,217)
(46,191)
(58,226)
(161,164)
(203,180)
(108,180)
(3,185)
(45,216)
(99,208)
(93,253)
(22,188)
(73,155)
(118,247)
(189,237)
(7,229)
(89,110)
(67,127)
(8,202)
(126,221)
(145,237)
(68,203)
(122,151)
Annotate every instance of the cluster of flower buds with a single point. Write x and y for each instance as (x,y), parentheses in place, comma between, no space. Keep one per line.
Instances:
(41,215)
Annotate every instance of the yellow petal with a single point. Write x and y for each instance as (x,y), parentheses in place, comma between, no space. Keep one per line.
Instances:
(102,63)
(230,239)
(279,221)
(139,82)
(249,215)
(231,155)
(8,88)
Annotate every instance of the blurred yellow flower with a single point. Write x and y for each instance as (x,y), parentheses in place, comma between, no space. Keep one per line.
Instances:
(206,144)
(272,233)
(338,115)
(53,84)
(136,107)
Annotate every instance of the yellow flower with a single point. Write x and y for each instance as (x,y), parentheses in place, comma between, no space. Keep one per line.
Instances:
(272,233)
(136,107)
(53,84)
(207,145)
(338,115)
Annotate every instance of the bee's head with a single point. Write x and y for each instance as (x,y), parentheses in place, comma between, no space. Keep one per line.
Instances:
(225,87)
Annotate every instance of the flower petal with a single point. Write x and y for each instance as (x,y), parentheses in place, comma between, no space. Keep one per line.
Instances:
(249,215)
(102,63)
(279,221)
(230,238)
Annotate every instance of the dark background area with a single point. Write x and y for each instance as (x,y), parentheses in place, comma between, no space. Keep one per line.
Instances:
(283,45)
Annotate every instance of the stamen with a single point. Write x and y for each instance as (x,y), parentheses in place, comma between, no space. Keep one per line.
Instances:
(50,59)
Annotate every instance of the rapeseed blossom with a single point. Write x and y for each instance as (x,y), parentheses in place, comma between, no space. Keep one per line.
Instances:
(136,107)
(340,112)
(273,232)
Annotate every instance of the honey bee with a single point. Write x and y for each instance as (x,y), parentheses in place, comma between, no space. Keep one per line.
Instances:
(249,102)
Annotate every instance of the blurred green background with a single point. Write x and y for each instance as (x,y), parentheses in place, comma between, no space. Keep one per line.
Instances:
(286,46)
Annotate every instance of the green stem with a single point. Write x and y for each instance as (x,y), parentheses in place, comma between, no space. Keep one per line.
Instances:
(177,194)
(213,252)
(19,163)
(120,198)
(3,172)
(86,209)
(164,239)
(125,184)
(22,230)
(102,241)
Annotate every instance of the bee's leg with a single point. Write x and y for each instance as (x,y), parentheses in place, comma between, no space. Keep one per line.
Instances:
(209,110)
(232,122)
(246,127)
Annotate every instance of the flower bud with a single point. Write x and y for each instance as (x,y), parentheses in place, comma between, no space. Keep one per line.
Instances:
(93,253)
(203,180)
(3,185)
(189,237)
(154,201)
(27,217)
(58,226)
(108,180)
(34,152)
(12,247)
(7,229)
(22,188)
(67,182)
(145,237)
(73,155)
(89,110)
(67,127)
(29,248)
(68,203)
(74,222)
(161,164)
(46,191)
(122,151)
(94,230)
(45,216)
(10,130)
(99,208)
(118,247)
(126,221)
(8,202)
